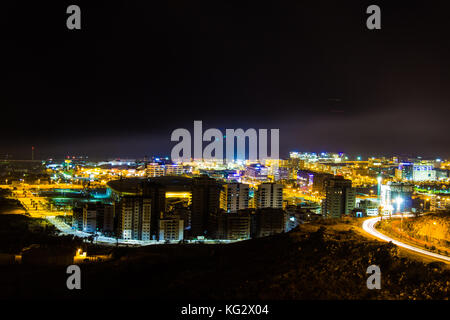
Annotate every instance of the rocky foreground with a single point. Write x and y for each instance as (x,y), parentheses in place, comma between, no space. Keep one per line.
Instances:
(312,262)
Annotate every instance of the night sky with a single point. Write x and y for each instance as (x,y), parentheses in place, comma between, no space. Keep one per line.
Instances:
(137,70)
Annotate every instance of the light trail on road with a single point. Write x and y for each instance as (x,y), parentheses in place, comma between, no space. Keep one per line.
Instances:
(369,227)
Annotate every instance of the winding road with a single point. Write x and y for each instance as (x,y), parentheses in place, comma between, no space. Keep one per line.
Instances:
(369,227)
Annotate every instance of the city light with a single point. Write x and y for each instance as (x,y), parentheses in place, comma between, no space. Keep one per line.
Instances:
(399,201)
(211,151)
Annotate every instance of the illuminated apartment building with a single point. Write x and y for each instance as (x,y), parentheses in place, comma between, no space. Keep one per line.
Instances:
(90,217)
(154,170)
(237,196)
(171,229)
(424,172)
(340,198)
(269,195)
(134,214)
(257,171)
(174,170)
(404,171)
(97,217)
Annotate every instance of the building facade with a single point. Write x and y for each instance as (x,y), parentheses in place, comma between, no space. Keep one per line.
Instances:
(134,213)
(233,226)
(237,196)
(396,197)
(171,229)
(268,221)
(206,205)
(269,195)
(340,198)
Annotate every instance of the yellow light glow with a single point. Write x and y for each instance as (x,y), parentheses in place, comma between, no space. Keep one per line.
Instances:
(178,194)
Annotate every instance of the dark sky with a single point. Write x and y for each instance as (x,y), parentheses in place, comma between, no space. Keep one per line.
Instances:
(137,70)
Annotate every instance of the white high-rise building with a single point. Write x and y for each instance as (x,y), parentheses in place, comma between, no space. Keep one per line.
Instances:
(269,195)
(135,217)
(423,172)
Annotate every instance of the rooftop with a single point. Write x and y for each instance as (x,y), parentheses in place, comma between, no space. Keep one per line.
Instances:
(131,185)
